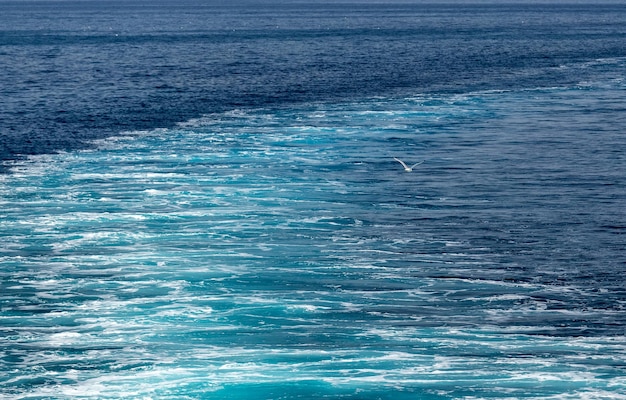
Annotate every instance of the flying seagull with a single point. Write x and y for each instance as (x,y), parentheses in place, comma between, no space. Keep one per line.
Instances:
(406,167)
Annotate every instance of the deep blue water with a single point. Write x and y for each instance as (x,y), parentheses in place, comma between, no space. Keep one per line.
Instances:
(200,200)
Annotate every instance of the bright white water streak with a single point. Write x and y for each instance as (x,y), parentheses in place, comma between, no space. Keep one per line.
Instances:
(285,254)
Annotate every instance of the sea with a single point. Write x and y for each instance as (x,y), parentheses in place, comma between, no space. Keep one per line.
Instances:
(202,199)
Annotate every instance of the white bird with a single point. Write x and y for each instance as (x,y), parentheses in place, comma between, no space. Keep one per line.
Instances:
(406,167)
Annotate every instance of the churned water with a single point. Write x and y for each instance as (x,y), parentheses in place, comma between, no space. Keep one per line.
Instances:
(274,249)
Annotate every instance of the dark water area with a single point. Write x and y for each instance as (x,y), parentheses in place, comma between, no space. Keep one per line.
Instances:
(73,71)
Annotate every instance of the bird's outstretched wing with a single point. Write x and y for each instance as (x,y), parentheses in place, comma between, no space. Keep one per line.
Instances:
(401,162)
(416,164)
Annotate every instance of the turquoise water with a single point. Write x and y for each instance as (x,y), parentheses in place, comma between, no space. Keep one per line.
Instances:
(282,253)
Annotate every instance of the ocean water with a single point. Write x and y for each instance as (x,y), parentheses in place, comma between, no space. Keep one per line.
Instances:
(242,231)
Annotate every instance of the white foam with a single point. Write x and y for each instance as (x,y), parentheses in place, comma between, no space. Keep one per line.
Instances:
(310,308)
(64,338)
